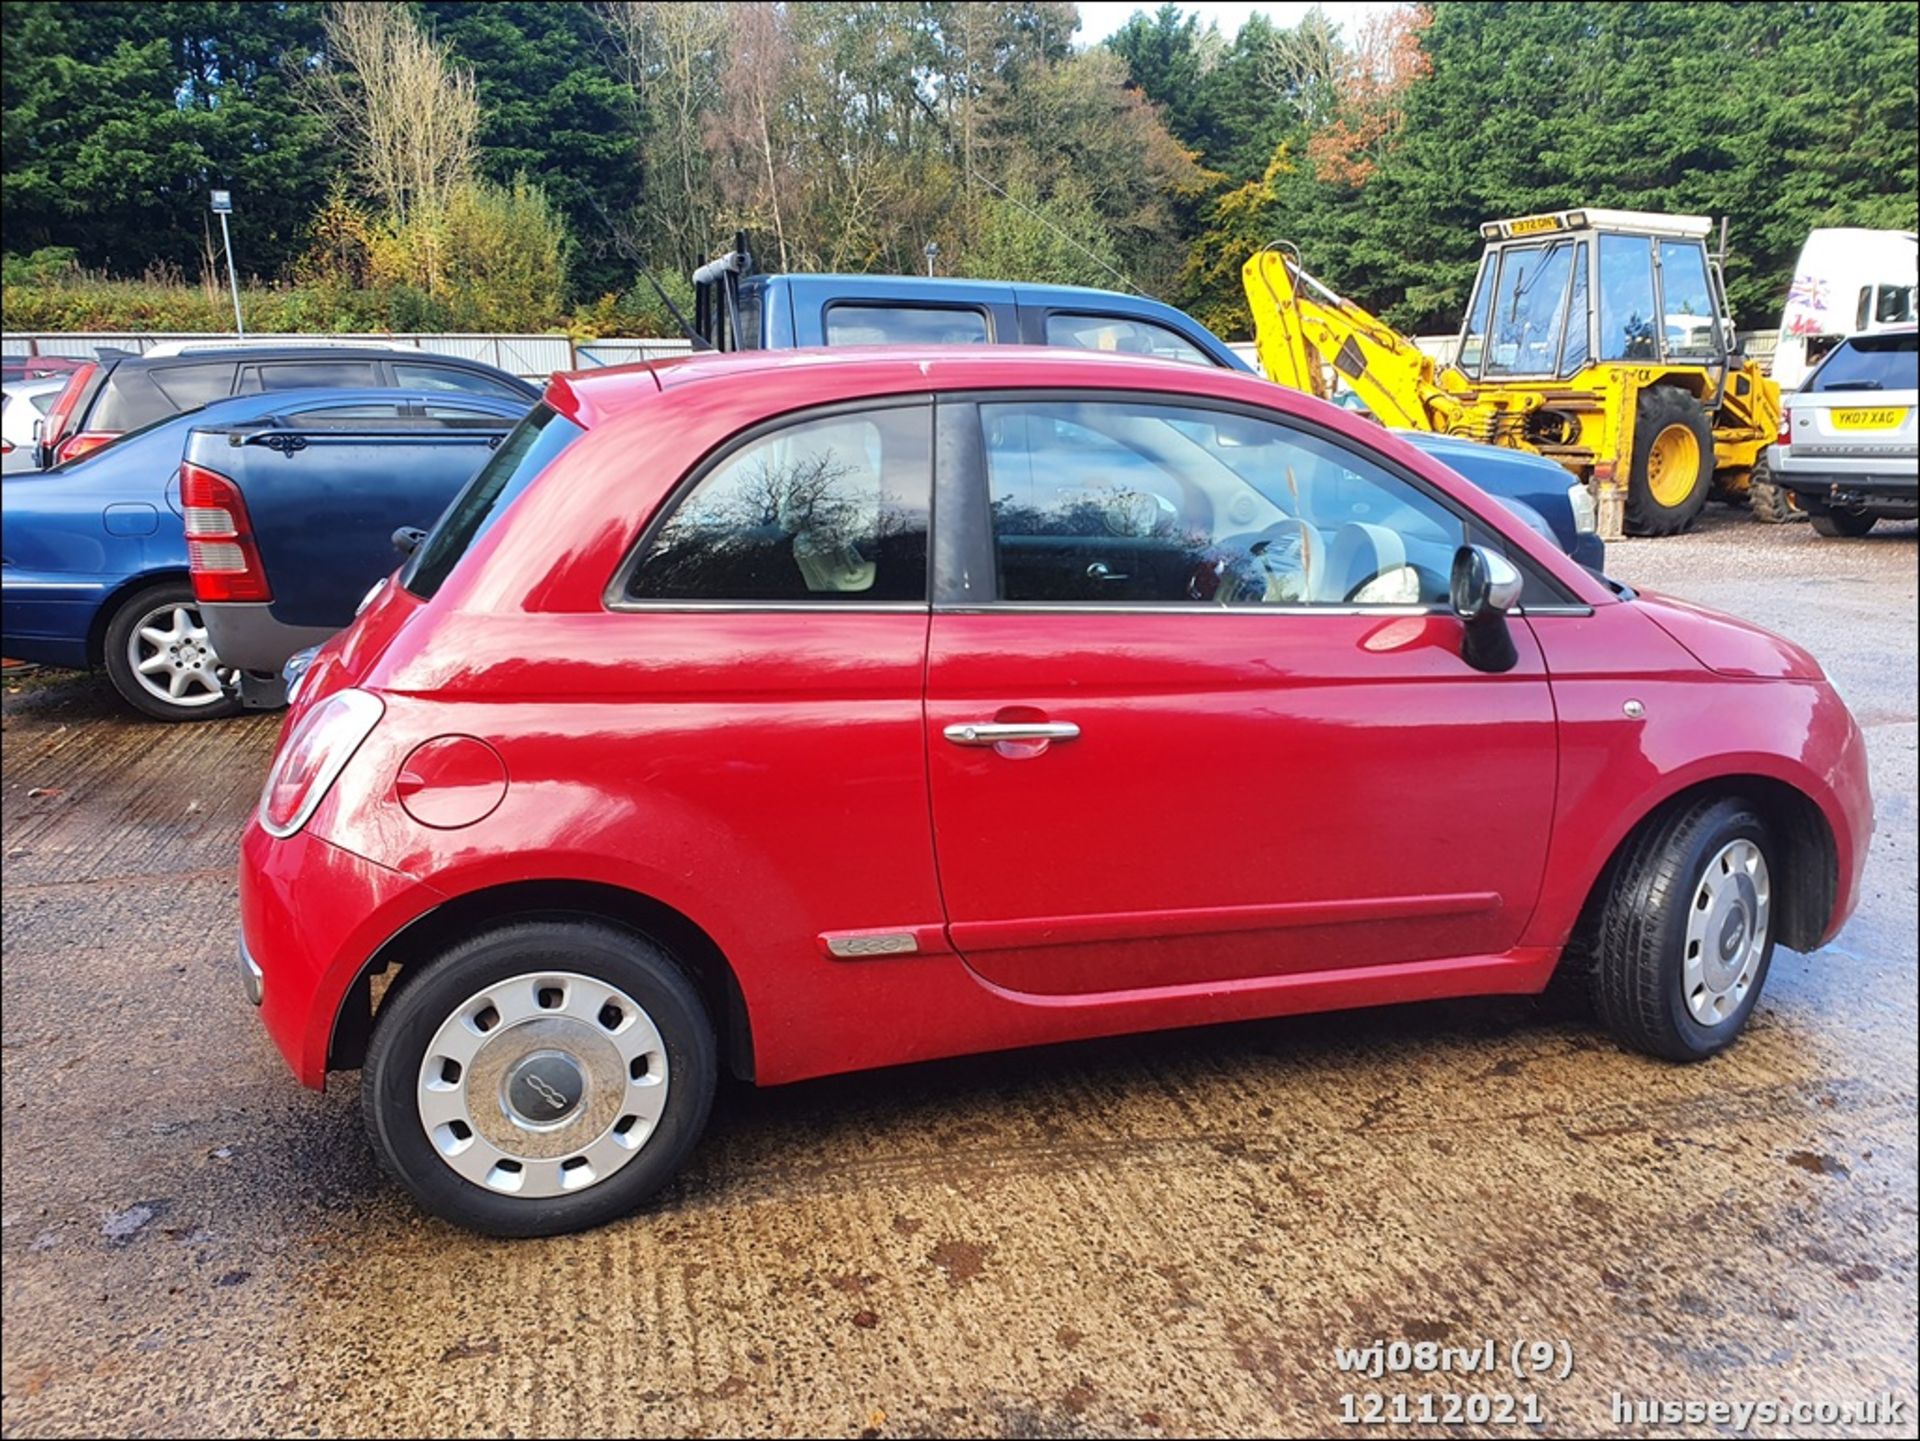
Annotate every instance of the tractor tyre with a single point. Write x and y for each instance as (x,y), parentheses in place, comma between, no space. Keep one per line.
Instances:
(1767,498)
(1672,462)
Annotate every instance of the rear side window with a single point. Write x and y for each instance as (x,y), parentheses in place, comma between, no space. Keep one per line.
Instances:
(411,375)
(829,510)
(904,325)
(1871,362)
(128,400)
(191,386)
(1129,337)
(312,375)
(526,452)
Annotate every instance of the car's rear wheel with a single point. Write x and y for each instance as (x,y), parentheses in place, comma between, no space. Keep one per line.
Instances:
(1686,932)
(1672,462)
(541,1078)
(1837,523)
(159,658)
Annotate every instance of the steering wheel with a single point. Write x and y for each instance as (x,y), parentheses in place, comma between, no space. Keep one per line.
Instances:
(1280,565)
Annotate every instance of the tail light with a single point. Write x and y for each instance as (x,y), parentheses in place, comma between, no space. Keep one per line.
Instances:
(313,757)
(75,446)
(61,416)
(221,556)
(1785,437)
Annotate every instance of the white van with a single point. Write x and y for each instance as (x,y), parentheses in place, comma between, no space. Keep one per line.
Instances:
(1846,282)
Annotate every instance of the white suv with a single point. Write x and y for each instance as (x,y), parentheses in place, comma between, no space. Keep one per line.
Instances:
(1847,447)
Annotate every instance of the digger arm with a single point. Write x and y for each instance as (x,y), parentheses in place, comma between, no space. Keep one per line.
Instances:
(1299,323)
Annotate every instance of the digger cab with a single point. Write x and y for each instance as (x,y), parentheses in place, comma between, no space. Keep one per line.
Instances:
(1561,292)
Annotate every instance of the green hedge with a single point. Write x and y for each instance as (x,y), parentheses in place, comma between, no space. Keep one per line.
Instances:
(43,291)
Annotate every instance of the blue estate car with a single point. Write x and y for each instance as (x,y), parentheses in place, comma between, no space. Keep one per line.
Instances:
(95,551)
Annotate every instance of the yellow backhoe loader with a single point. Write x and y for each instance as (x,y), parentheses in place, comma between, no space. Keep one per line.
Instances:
(1597,338)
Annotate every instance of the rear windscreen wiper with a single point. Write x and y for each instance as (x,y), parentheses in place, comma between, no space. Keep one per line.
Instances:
(1854,385)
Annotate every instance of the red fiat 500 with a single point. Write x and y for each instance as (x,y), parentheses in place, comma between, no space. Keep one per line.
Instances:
(806,712)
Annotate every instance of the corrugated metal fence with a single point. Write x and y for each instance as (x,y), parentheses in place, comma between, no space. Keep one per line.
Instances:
(531,356)
(537,356)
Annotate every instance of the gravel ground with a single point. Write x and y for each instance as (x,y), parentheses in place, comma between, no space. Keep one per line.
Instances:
(1162,1235)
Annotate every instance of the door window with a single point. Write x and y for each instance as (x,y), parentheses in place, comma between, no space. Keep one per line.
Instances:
(1894,305)
(1130,502)
(412,375)
(313,375)
(1627,320)
(1127,336)
(1473,335)
(904,325)
(1689,303)
(831,510)
(1577,351)
(1529,309)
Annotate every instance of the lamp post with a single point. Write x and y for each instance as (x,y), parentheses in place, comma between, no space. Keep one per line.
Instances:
(930,252)
(222,201)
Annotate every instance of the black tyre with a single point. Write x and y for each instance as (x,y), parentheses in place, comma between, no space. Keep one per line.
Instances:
(540,1078)
(1686,933)
(1769,501)
(1843,523)
(159,658)
(1672,462)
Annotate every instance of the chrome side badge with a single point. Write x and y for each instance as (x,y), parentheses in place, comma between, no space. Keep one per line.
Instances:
(893,943)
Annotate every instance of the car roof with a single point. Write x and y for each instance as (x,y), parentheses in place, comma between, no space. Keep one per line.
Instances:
(310,351)
(588,397)
(942,285)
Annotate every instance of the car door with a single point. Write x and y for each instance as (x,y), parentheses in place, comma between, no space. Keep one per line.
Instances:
(1197,710)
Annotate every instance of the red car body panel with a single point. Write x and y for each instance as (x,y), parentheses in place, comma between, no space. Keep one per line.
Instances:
(1242,829)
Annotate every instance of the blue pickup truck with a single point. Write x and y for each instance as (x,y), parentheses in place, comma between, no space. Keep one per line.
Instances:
(737,309)
(783,312)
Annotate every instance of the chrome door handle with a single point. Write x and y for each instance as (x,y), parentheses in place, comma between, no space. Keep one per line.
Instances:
(991,733)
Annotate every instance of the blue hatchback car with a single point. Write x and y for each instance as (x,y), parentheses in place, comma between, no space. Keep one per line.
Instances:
(95,551)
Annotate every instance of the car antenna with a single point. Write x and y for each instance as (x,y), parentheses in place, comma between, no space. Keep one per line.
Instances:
(1119,275)
(627,248)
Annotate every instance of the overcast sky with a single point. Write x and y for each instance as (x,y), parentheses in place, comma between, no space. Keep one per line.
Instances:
(1101,18)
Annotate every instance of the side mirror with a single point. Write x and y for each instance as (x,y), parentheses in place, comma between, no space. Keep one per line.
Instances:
(1485,586)
(407,539)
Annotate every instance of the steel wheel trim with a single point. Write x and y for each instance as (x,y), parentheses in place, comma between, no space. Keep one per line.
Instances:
(1728,926)
(542,1084)
(173,661)
(1673,465)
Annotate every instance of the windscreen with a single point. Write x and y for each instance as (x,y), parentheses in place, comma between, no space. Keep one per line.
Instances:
(527,451)
(1871,362)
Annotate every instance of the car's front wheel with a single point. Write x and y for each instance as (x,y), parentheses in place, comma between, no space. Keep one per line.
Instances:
(541,1078)
(159,658)
(1686,933)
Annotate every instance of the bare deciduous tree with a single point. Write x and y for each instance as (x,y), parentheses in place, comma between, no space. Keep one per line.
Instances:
(671,53)
(405,112)
(1304,65)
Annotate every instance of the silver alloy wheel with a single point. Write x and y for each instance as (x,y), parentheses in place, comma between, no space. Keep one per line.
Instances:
(173,661)
(1727,930)
(543,1084)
